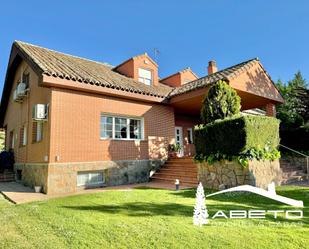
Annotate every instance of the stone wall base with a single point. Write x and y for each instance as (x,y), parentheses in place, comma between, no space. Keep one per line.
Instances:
(226,174)
(58,178)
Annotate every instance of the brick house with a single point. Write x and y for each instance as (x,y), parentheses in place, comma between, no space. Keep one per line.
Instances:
(74,122)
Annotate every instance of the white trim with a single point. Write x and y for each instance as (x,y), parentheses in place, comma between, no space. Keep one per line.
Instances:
(24,138)
(39,131)
(191,135)
(181,152)
(143,77)
(128,118)
(88,182)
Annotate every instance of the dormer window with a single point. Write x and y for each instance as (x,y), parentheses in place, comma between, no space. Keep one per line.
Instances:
(145,76)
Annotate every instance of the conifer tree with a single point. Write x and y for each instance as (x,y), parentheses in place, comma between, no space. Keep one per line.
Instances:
(200,214)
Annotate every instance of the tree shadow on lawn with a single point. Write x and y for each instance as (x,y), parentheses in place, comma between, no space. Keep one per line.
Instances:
(140,209)
(249,201)
(224,202)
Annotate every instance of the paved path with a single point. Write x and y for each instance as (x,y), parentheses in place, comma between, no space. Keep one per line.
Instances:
(19,194)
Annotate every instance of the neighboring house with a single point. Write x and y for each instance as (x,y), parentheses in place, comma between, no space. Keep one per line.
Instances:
(74,122)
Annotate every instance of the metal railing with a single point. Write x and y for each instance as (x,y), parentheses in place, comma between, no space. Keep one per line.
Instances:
(299,153)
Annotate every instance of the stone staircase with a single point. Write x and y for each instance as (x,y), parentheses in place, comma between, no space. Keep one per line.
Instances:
(7,176)
(291,173)
(182,169)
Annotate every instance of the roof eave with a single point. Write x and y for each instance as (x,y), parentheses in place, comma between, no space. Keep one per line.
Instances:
(51,81)
(16,56)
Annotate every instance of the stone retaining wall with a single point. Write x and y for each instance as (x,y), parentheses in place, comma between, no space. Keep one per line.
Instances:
(225,174)
(57,178)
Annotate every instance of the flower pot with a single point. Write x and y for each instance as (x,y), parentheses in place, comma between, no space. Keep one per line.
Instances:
(37,189)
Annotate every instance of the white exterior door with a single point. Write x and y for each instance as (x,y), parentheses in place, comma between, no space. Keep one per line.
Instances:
(179,139)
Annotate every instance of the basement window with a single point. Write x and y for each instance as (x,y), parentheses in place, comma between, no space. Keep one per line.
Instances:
(145,76)
(90,179)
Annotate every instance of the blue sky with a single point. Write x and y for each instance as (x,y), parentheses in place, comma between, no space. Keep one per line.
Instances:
(187,33)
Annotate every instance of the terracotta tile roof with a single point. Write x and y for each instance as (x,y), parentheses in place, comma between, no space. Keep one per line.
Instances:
(56,64)
(65,66)
(212,78)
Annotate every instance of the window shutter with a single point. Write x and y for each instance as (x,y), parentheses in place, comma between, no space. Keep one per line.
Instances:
(34,131)
(21,136)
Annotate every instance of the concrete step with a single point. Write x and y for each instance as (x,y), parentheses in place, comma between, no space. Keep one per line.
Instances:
(179,163)
(287,168)
(287,174)
(186,160)
(172,181)
(176,176)
(7,177)
(295,178)
(170,170)
(181,166)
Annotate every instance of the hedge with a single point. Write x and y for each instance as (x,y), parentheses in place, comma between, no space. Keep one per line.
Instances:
(236,136)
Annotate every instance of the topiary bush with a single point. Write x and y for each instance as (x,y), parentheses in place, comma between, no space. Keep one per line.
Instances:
(244,138)
(221,102)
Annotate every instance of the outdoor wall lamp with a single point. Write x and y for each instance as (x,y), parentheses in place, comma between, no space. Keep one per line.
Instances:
(177,184)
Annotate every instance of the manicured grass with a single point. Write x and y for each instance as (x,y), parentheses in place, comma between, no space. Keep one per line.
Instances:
(149,218)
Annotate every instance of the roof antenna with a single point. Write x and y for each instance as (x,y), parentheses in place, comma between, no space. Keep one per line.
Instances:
(156,54)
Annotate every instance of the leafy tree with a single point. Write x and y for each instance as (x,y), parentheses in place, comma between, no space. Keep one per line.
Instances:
(289,112)
(302,106)
(221,102)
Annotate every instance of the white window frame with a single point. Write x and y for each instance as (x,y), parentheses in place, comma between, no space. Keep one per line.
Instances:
(88,183)
(143,79)
(39,132)
(24,138)
(191,136)
(128,127)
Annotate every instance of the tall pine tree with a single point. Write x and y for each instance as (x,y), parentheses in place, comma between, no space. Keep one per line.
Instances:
(288,112)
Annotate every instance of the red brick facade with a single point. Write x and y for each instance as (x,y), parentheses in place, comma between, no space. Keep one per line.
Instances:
(75,128)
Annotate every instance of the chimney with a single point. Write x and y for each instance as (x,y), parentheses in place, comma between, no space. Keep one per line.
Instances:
(212,67)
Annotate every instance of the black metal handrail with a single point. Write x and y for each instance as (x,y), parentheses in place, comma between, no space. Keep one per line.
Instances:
(299,153)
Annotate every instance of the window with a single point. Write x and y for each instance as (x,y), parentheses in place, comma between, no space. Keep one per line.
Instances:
(120,128)
(144,76)
(11,140)
(37,131)
(88,179)
(190,135)
(26,79)
(106,127)
(23,136)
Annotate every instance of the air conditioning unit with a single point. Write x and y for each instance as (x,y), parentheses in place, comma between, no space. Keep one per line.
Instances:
(21,89)
(15,95)
(39,112)
(20,92)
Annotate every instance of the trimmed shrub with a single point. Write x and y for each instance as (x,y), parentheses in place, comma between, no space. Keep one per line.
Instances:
(244,136)
(221,102)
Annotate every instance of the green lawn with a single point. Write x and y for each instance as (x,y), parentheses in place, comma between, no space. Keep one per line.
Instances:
(148,218)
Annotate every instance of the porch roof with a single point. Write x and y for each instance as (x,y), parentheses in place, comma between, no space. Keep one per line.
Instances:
(250,80)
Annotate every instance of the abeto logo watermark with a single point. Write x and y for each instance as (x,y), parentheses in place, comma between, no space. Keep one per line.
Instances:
(261,214)
(200,216)
(258,214)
